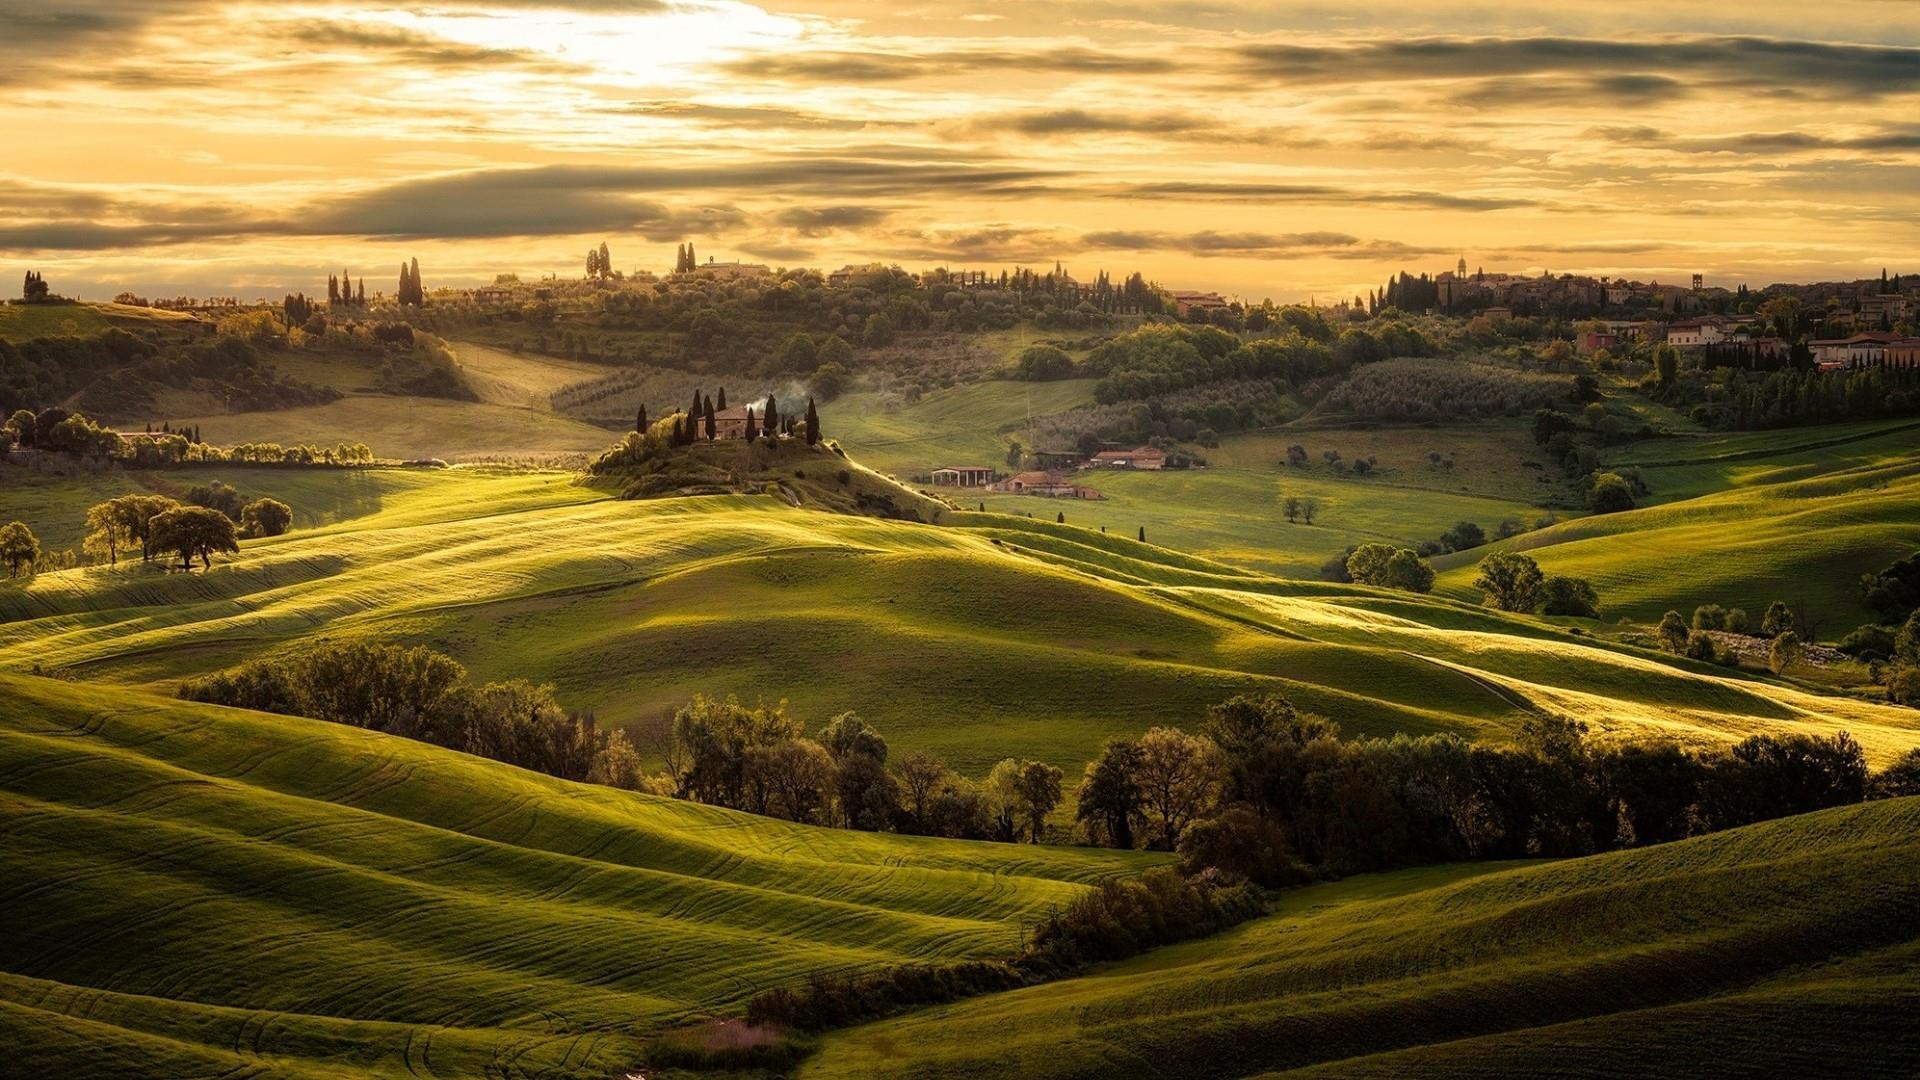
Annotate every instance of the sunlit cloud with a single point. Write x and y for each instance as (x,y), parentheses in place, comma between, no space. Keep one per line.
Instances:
(1270,148)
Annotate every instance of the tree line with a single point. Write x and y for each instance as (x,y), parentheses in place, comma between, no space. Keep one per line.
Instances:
(417,693)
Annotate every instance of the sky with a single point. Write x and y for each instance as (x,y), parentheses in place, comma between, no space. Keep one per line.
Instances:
(1285,149)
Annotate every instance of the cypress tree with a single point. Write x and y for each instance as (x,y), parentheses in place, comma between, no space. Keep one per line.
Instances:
(413,279)
(773,414)
(640,421)
(752,431)
(698,409)
(361,296)
(813,424)
(1060,518)
(712,429)
(606,261)
(723,397)
(404,291)
(1143,534)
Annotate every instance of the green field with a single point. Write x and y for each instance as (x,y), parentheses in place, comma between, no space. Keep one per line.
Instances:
(1790,948)
(18,322)
(196,891)
(411,428)
(1799,533)
(996,636)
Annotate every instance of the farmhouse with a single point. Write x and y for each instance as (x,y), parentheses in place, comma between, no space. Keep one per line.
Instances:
(732,423)
(1860,350)
(1051,485)
(1146,457)
(963,476)
(1186,303)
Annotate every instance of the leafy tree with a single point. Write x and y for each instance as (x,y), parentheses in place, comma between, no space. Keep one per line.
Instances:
(1666,363)
(1895,591)
(1900,779)
(19,548)
(1777,619)
(1464,536)
(1561,595)
(107,533)
(1512,582)
(1390,567)
(1906,643)
(1039,788)
(1550,422)
(265,517)
(1309,509)
(1290,506)
(1179,776)
(920,776)
(1041,363)
(1110,800)
(1610,494)
(617,764)
(1785,652)
(1673,632)
(194,532)
(878,332)
(1709,617)
(217,496)
(1700,646)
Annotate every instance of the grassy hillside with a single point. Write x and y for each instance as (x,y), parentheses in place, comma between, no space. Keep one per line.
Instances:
(197,891)
(19,322)
(1787,948)
(990,637)
(1797,534)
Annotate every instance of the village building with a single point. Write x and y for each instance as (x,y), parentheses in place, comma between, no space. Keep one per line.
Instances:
(1698,333)
(732,271)
(1903,353)
(1860,350)
(965,476)
(1146,457)
(1186,304)
(1048,484)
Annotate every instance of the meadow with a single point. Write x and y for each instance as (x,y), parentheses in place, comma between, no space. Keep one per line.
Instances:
(992,636)
(1785,948)
(197,891)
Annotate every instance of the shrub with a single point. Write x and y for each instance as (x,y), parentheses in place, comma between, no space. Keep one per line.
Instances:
(1700,646)
(1562,595)
(1040,363)
(1869,643)
(265,517)
(1242,844)
(1610,494)
(1710,617)
(1511,582)
(1903,686)
(1464,536)
(1673,632)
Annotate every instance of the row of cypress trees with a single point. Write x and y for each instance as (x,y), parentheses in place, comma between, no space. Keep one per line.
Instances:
(699,420)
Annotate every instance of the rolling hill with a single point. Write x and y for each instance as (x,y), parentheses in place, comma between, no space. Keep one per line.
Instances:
(989,637)
(1785,948)
(196,891)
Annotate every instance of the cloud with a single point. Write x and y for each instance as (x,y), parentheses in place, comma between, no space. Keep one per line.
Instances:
(1081,121)
(1214,244)
(1232,191)
(1612,91)
(1772,143)
(396,44)
(880,67)
(819,221)
(764,117)
(1820,68)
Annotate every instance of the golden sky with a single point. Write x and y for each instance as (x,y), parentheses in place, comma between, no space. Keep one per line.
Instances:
(1286,149)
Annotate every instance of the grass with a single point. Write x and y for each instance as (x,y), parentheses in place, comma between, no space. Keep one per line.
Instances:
(410,428)
(1786,948)
(1805,541)
(194,891)
(964,425)
(19,322)
(991,637)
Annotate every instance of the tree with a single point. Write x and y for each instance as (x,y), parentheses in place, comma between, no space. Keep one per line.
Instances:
(1001,790)
(1610,493)
(19,548)
(1309,509)
(1039,788)
(1785,652)
(1179,774)
(878,333)
(107,533)
(1040,363)
(1389,567)
(1666,363)
(35,289)
(1777,619)
(1464,536)
(194,532)
(1673,631)
(1512,582)
(640,420)
(920,776)
(1290,506)
(1561,595)
(617,764)
(217,496)
(753,429)
(1110,800)
(1709,617)
(713,430)
(265,517)
(813,424)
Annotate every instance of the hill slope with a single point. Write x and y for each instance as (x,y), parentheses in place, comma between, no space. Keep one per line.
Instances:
(196,891)
(1787,948)
(992,637)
